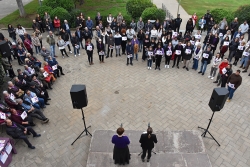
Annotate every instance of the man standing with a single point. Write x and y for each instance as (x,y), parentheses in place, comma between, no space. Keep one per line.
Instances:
(244,27)
(148,27)
(130,52)
(206,58)
(79,35)
(110,42)
(222,27)
(17,131)
(178,21)
(98,18)
(51,42)
(207,17)
(66,27)
(140,25)
(89,24)
(75,44)
(233,82)
(234,26)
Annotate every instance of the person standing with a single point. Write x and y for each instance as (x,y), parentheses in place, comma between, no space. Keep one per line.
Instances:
(178,54)
(222,26)
(197,56)
(89,25)
(119,18)
(124,41)
(150,55)
(118,41)
(140,37)
(57,24)
(75,44)
(20,31)
(89,49)
(214,42)
(233,45)
(159,52)
(147,141)
(206,58)
(111,43)
(168,54)
(244,27)
(222,65)
(101,50)
(130,33)
(79,35)
(226,74)
(194,18)
(140,25)
(66,27)
(110,19)
(121,153)
(65,37)
(187,55)
(210,24)
(202,23)
(234,25)
(61,46)
(130,53)
(177,21)
(135,44)
(216,62)
(233,82)
(51,41)
(146,44)
(208,17)
(98,18)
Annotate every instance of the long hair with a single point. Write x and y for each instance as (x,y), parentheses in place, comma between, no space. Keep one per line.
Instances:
(149,132)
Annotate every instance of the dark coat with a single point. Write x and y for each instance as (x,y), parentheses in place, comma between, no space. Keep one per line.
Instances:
(15,132)
(148,142)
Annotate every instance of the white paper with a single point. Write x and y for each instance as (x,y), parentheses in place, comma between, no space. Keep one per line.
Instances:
(169,52)
(184,45)
(61,47)
(111,47)
(240,47)
(224,70)
(8,148)
(205,55)
(4,157)
(178,52)
(89,48)
(188,51)
(175,34)
(192,42)
(77,46)
(117,47)
(150,53)
(130,55)
(12,97)
(24,115)
(196,57)
(2,115)
(66,43)
(32,71)
(24,81)
(45,74)
(101,53)
(34,99)
(245,54)
(220,34)
(54,67)
(226,43)
(124,38)
(158,52)
(198,36)
(230,85)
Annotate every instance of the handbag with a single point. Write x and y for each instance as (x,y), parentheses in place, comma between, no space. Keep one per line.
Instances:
(47,79)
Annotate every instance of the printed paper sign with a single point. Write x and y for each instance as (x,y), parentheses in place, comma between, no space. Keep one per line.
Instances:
(89,48)
(8,148)
(111,47)
(169,52)
(175,34)
(224,70)
(24,115)
(124,38)
(205,55)
(178,52)
(188,51)
(2,115)
(230,85)
(45,74)
(220,34)
(192,42)
(101,53)
(77,46)
(12,97)
(4,157)
(34,99)
(198,36)
(158,52)
(184,45)
(240,47)
(245,54)
(32,71)
(226,43)
(61,47)
(150,53)
(130,55)
(54,67)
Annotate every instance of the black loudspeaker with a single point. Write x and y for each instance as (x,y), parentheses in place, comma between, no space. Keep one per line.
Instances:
(218,99)
(5,49)
(79,96)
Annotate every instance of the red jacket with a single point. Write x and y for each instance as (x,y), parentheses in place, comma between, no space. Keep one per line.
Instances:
(57,23)
(28,45)
(222,65)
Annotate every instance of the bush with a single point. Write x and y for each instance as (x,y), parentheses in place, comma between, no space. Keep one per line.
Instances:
(219,14)
(128,19)
(61,13)
(153,13)
(66,4)
(243,13)
(136,7)
(43,9)
(73,14)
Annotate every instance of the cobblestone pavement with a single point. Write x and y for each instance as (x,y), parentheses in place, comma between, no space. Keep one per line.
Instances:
(170,99)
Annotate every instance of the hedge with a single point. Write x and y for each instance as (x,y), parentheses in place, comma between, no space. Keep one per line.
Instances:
(61,13)
(43,9)
(243,13)
(153,13)
(66,4)
(219,14)
(136,7)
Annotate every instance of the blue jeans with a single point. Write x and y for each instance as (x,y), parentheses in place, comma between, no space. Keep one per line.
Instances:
(244,60)
(76,50)
(149,62)
(68,31)
(22,37)
(195,65)
(136,56)
(203,66)
(231,92)
(52,51)
(140,45)
(203,47)
(38,49)
(38,64)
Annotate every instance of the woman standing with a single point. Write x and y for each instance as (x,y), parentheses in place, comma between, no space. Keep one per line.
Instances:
(150,55)
(232,48)
(20,31)
(168,54)
(28,45)
(140,37)
(239,52)
(202,23)
(216,61)
(146,44)
(89,48)
(61,45)
(121,153)
(197,56)
(214,42)
(189,26)
(194,18)
(159,52)
(101,50)
(40,21)
(12,33)
(210,25)
(40,37)
(36,43)
(159,32)
(187,55)
(224,46)
(124,42)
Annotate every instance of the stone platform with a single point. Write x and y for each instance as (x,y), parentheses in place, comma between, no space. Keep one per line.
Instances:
(174,149)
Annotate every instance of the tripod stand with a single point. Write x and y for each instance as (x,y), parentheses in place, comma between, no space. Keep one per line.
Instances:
(206,130)
(85,128)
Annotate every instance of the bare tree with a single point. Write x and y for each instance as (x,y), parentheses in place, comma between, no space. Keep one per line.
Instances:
(21,8)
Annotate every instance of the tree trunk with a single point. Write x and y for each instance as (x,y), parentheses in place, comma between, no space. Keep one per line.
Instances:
(21,8)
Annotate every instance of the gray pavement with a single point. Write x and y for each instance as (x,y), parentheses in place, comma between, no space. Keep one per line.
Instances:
(170,99)
(9,6)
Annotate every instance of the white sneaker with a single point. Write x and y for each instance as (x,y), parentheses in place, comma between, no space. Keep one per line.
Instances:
(63,57)
(209,76)
(212,77)
(150,68)
(181,61)
(75,55)
(70,51)
(165,66)
(79,54)
(168,66)
(153,63)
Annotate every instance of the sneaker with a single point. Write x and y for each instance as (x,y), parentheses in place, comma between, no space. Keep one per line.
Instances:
(209,76)
(79,54)
(150,68)
(165,66)
(199,72)
(212,77)
(228,100)
(153,63)
(32,147)
(63,57)
(37,135)
(75,55)
(168,66)
(215,82)
(70,51)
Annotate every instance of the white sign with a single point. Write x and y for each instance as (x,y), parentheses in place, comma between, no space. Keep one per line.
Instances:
(175,34)
(224,70)
(77,46)
(198,36)
(226,43)
(67,43)
(34,99)
(245,54)
(89,47)
(32,71)
(184,45)
(150,53)
(61,47)
(101,53)
(2,115)
(230,85)
(45,74)
(130,55)
(117,47)
(54,67)
(158,52)
(205,55)
(4,156)
(111,47)
(124,38)
(188,51)
(24,115)
(220,34)
(192,42)
(240,47)
(178,52)
(12,97)
(169,52)
(8,148)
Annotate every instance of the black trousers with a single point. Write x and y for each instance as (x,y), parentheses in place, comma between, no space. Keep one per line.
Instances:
(111,52)
(37,114)
(177,28)
(167,59)
(64,51)
(144,151)
(178,57)
(24,137)
(101,58)
(90,57)
(130,60)
(158,61)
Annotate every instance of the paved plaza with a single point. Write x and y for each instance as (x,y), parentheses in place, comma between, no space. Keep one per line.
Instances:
(170,99)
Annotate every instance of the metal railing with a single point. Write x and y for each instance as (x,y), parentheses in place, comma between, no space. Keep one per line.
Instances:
(168,14)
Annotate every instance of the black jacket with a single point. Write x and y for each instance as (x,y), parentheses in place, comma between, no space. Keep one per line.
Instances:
(74,41)
(81,35)
(148,142)
(234,26)
(207,59)
(15,132)
(100,47)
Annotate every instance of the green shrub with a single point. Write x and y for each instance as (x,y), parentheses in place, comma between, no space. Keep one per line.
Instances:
(61,13)
(243,13)
(153,13)
(128,19)
(73,14)
(51,3)
(136,7)
(66,4)
(43,9)
(219,14)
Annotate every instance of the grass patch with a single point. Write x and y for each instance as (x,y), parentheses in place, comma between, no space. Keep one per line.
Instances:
(14,18)
(200,7)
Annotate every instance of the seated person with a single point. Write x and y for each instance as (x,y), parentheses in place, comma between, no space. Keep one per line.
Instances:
(49,70)
(45,53)
(11,102)
(28,62)
(34,60)
(21,76)
(31,98)
(16,117)
(39,92)
(39,83)
(45,80)
(16,91)
(53,62)
(17,131)
(22,84)
(33,112)
(21,54)
(28,70)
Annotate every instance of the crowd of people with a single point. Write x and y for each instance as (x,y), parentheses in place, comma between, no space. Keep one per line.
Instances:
(154,40)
